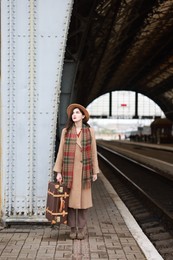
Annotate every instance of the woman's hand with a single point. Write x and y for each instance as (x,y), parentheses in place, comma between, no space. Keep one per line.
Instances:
(94,177)
(59,177)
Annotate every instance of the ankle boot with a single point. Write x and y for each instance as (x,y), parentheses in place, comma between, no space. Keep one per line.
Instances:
(81,233)
(73,233)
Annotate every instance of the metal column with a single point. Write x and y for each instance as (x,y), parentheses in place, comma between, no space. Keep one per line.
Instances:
(33,43)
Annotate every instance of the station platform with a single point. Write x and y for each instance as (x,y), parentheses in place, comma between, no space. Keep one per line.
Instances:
(112,233)
(156,156)
(163,147)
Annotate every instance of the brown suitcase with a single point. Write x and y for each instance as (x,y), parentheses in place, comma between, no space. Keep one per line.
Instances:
(57,203)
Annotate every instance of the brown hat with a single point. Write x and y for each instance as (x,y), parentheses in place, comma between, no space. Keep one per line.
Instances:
(71,107)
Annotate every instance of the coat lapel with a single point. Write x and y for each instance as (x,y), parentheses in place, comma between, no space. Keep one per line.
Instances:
(79,141)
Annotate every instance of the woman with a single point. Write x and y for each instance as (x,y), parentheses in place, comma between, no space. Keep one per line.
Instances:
(77,165)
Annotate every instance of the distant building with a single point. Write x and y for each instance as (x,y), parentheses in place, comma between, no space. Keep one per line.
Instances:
(161,130)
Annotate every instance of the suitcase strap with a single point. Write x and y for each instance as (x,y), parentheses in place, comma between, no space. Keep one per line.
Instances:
(65,195)
(63,213)
(62,204)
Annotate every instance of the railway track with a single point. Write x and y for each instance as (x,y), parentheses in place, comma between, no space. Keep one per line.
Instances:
(148,195)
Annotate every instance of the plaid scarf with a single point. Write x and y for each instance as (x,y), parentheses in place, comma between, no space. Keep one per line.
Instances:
(69,157)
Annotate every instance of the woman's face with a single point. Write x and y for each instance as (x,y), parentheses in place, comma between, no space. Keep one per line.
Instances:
(77,115)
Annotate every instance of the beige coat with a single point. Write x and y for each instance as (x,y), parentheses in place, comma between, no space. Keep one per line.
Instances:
(79,198)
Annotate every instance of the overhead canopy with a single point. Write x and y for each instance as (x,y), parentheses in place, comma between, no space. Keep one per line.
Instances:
(123,45)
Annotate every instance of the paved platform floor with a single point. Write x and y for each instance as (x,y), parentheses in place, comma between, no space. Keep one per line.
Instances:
(112,233)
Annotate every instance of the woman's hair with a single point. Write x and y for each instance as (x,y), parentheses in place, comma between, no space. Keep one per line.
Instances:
(70,122)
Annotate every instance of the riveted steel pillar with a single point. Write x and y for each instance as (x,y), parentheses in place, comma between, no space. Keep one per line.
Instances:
(33,41)
(66,96)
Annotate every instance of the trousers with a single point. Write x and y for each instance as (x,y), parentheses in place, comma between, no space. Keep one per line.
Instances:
(77,217)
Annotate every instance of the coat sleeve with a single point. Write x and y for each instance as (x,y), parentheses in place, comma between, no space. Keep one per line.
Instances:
(59,158)
(96,169)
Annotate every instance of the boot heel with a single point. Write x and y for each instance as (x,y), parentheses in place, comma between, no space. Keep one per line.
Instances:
(81,234)
(73,233)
